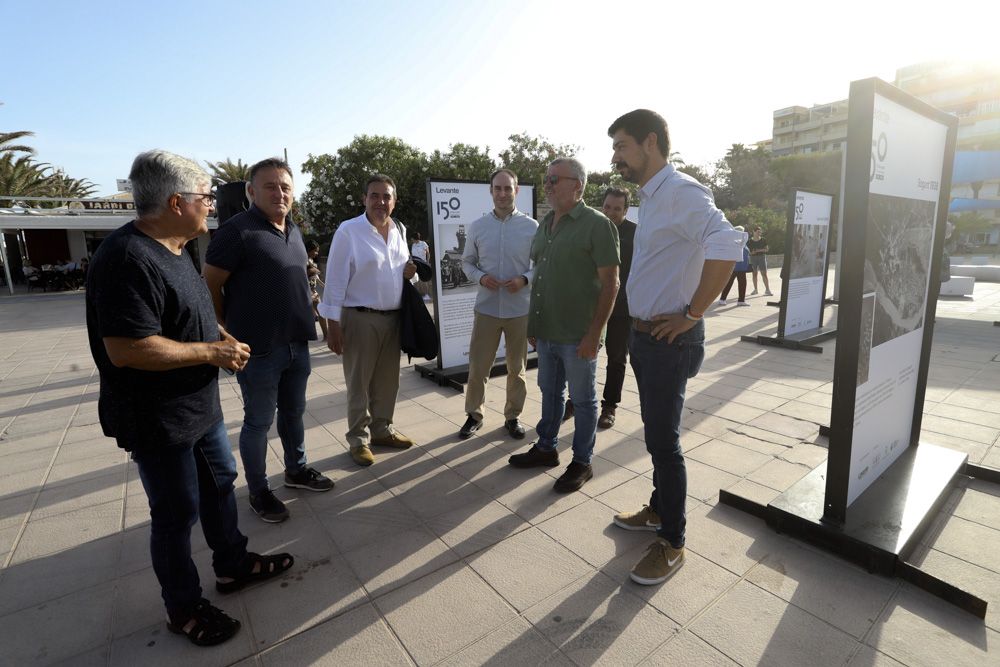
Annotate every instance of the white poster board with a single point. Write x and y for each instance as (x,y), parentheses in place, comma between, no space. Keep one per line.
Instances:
(807,263)
(453,206)
(907,158)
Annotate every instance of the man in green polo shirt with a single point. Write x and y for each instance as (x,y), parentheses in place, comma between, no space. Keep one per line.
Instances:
(575,253)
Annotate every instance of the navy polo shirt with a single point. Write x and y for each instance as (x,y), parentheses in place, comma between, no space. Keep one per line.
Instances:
(267,300)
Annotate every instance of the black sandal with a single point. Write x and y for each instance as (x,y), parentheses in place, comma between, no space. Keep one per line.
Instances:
(267,567)
(211,625)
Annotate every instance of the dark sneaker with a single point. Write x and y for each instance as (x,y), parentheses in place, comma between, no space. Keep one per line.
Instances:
(644,519)
(268,508)
(659,564)
(308,478)
(535,457)
(470,426)
(515,428)
(607,418)
(568,411)
(576,474)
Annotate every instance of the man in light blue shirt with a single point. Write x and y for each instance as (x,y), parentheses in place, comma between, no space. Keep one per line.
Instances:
(684,252)
(497,256)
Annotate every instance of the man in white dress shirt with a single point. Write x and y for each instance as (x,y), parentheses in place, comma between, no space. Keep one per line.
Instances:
(364,281)
(683,254)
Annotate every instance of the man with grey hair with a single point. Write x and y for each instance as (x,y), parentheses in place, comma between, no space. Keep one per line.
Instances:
(256,272)
(158,347)
(575,253)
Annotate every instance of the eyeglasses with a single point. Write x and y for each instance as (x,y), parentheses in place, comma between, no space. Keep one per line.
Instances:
(207,198)
(552,179)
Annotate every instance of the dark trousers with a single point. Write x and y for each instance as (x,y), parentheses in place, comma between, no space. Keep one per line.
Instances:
(184,482)
(662,370)
(616,347)
(741,280)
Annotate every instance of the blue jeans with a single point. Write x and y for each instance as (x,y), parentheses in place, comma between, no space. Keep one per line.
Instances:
(275,379)
(662,370)
(558,365)
(183,482)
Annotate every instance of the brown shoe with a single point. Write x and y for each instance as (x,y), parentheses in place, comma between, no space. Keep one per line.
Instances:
(659,564)
(607,418)
(362,455)
(394,439)
(535,457)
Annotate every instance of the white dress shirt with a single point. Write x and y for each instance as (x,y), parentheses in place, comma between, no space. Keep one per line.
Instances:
(363,268)
(679,228)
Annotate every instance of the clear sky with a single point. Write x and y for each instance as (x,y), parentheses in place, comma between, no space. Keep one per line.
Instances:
(100,81)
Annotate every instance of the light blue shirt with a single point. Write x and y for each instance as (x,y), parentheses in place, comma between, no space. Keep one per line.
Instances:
(502,249)
(679,228)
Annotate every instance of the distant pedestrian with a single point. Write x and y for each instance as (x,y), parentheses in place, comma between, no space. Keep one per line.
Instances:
(757,245)
(740,270)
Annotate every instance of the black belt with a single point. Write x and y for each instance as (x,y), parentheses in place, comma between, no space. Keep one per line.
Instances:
(366,309)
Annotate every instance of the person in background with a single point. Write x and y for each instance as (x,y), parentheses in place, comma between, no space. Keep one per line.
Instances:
(315,282)
(758,259)
(739,275)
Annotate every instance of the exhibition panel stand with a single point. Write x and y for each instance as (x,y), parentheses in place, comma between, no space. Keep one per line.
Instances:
(881,486)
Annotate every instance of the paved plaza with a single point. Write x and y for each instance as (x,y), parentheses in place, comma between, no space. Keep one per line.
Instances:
(443,554)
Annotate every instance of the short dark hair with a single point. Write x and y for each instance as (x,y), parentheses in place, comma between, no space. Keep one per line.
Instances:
(382,178)
(639,123)
(503,170)
(313,245)
(416,236)
(616,192)
(271,163)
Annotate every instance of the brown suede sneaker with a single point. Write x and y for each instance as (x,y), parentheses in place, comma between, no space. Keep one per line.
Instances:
(394,439)
(659,564)
(362,455)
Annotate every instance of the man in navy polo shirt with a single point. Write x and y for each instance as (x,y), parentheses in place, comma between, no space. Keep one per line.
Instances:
(256,271)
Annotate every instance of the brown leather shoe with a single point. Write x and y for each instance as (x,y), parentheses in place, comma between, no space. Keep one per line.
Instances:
(394,439)
(607,418)
(535,457)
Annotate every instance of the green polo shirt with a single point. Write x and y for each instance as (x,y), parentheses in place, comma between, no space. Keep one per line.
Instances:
(566,286)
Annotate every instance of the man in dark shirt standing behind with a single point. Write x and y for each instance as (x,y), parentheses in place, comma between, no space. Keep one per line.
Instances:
(256,272)
(158,348)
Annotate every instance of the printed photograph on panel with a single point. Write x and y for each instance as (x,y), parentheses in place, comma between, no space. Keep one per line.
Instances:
(451,244)
(865,342)
(897,259)
(808,251)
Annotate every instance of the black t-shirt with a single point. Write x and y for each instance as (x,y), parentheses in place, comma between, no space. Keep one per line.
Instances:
(268,300)
(137,288)
(756,246)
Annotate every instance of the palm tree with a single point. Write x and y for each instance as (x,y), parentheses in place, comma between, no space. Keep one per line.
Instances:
(23,177)
(228,172)
(7,147)
(61,185)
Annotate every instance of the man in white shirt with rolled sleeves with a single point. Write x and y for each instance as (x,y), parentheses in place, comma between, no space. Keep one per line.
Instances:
(368,261)
(683,255)
(497,256)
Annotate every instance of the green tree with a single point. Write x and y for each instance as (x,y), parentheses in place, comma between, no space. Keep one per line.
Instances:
(771,222)
(461,162)
(743,177)
(228,171)
(599,181)
(529,156)
(61,185)
(337,189)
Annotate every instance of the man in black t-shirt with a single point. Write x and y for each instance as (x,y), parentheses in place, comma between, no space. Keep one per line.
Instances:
(255,269)
(158,347)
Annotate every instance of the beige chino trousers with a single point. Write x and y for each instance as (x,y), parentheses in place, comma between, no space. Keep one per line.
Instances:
(483,346)
(371,371)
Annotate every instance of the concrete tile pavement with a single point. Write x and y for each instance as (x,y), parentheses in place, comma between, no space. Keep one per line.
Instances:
(443,554)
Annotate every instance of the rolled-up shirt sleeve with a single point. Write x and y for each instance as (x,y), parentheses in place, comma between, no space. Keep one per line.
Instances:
(338,274)
(706,225)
